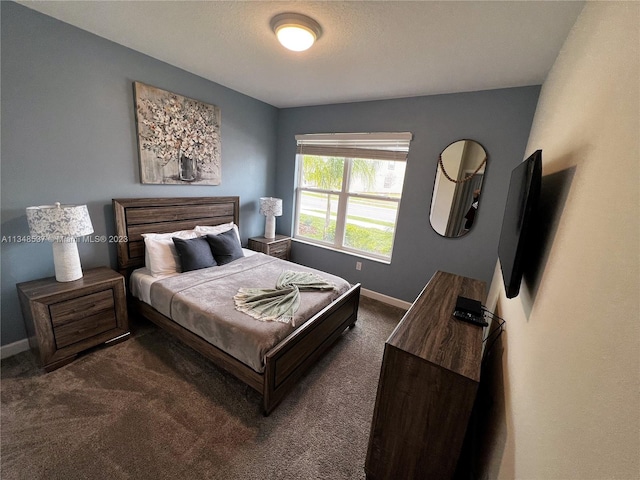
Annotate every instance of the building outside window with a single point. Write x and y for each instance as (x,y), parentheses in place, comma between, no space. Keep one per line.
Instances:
(349,189)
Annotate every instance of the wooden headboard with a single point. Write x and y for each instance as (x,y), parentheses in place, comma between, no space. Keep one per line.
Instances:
(135,216)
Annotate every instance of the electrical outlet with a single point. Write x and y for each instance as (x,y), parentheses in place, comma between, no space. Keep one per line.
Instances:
(358,265)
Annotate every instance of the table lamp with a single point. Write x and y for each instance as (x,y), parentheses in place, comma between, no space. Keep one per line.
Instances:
(271,208)
(61,224)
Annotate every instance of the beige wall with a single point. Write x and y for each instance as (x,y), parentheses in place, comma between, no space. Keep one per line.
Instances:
(569,389)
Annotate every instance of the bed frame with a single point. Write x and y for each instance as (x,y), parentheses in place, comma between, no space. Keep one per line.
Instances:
(287,361)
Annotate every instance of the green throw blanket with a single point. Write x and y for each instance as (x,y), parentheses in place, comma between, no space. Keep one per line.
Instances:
(280,303)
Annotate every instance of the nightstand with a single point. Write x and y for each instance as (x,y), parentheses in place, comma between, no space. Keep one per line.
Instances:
(65,318)
(279,247)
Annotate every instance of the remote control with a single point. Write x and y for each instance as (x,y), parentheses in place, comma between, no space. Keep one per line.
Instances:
(470,317)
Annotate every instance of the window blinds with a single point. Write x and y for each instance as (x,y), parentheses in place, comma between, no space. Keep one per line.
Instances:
(374,146)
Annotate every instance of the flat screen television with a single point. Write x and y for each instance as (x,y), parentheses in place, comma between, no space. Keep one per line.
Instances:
(519,215)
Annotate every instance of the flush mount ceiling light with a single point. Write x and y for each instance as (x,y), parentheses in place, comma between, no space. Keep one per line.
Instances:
(295,31)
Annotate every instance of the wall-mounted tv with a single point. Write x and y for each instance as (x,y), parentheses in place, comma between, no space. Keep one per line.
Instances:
(519,215)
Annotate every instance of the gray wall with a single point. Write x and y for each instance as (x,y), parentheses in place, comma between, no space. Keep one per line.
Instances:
(498,119)
(68,135)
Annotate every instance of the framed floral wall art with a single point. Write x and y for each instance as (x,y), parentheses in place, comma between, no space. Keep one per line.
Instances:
(178,138)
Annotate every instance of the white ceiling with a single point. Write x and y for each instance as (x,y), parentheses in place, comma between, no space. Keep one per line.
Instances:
(368,50)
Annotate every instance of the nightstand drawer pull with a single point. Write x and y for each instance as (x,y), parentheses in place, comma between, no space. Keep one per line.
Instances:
(76,309)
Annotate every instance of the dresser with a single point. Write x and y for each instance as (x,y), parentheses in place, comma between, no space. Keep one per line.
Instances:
(428,381)
(279,247)
(66,318)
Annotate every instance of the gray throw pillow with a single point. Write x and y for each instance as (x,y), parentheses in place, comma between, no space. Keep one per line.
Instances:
(194,253)
(225,247)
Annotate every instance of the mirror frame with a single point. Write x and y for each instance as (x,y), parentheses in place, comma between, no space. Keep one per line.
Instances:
(461,200)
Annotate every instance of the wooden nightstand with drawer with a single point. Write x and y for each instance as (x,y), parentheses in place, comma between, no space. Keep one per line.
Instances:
(66,318)
(279,247)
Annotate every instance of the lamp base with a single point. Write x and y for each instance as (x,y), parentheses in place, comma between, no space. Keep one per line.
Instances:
(270,227)
(66,260)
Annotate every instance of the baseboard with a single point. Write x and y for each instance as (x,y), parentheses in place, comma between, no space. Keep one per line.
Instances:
(14,348)
(385,298)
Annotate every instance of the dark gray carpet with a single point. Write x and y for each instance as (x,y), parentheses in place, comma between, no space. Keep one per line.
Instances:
(151,408)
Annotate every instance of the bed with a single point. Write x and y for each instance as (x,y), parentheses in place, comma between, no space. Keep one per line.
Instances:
(282,364)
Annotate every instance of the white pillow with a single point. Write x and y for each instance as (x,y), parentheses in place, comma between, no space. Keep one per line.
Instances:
(218,229)
(161,256)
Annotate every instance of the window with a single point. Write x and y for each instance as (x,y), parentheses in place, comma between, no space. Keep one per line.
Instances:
(349,189)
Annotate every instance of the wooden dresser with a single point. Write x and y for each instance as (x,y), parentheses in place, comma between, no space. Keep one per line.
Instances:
(428,382)
(65,318)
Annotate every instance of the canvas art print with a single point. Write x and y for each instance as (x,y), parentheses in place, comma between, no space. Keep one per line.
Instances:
(178,138)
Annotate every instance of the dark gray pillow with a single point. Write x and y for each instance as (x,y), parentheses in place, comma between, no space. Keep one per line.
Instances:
(194,253)
(225,247)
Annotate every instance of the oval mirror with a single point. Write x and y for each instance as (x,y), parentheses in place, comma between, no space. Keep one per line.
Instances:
(456,192)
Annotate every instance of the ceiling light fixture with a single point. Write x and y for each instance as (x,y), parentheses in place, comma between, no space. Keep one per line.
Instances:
(295,31)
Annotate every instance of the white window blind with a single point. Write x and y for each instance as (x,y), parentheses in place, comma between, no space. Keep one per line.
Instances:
(374,146)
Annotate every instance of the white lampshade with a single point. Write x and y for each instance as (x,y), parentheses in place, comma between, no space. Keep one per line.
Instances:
(295,31)
(61,224)
(54,222)
(271,208)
